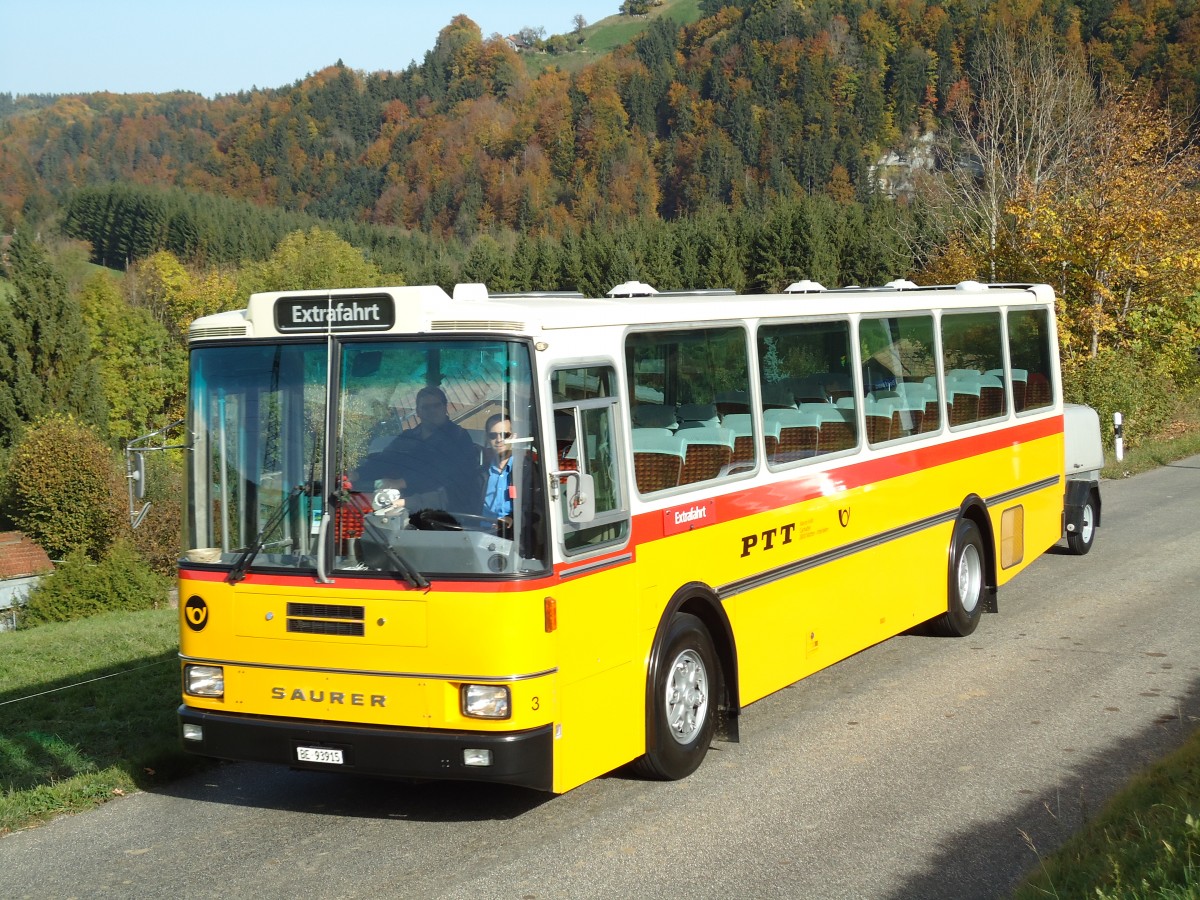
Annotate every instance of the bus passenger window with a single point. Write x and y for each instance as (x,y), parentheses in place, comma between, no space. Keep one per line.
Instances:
(899,361)
(808,393)
(1030,348)
(973,354)
(690,398)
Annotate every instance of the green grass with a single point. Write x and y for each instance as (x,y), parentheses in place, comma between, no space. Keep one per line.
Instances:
(87,713)
(605,36)
(1146,843)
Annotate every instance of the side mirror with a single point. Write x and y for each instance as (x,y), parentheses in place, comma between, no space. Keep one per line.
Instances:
(137,475)
(578,499)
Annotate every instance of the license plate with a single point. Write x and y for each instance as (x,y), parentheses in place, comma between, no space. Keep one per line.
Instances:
(319,755)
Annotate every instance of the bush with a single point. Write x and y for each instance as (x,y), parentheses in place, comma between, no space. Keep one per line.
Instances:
(1116,381)
(78,588)
(66,490)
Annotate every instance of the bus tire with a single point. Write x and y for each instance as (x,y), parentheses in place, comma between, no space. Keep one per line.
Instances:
(685,689)
(967,576)
(1081,539)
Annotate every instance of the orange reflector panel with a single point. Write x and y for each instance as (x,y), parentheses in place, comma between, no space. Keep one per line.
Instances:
(551,614)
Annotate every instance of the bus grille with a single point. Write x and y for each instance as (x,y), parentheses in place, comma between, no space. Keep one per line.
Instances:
(199,334)
(475,325)
(322,618)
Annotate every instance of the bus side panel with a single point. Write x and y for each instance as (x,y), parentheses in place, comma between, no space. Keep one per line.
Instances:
(808,584)
(602,676)
(1042,511)
(802,623)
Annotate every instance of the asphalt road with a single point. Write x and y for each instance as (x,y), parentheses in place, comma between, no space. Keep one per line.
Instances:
(921,768)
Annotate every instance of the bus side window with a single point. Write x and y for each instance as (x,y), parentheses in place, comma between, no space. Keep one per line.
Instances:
(807,380)
(974,377)
(585,429)
(899,361)
(1030,351)
(690,406)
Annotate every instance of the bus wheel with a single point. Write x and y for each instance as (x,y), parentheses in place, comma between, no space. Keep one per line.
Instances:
(685,691)
(964,604)
(1080,540)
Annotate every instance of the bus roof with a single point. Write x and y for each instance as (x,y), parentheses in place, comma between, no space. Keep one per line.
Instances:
(429,309)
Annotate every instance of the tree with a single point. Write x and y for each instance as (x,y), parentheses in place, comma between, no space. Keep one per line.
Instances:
(531,37)
(1121,239)
(67,492)
(45,363)
(313,259)
(1016,133)
(142,367)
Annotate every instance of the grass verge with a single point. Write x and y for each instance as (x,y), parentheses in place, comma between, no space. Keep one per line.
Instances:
(87,713)
(1145,844)
(1179,442)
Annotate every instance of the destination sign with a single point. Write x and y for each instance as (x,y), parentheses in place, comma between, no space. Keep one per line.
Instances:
(361,312)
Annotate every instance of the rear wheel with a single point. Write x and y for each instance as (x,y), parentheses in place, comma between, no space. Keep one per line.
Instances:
(964,603)
(1080,540)
(684,691)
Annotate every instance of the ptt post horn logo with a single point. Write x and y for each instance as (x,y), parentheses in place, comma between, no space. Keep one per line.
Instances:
(195,613)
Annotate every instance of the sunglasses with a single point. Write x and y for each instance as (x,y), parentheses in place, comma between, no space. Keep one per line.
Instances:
(502,435)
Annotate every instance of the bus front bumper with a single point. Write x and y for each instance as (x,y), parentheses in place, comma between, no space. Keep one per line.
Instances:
(523,758)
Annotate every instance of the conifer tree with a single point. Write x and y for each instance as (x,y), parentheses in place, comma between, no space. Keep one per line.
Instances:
(45,361)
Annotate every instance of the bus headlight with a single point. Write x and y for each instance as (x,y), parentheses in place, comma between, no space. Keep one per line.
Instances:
(204,681)
(486,701)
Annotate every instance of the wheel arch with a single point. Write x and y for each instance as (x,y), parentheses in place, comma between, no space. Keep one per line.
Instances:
(699,600)
(1078,493)
(974,508)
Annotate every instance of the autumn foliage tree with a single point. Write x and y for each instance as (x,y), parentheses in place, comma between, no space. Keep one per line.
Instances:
(1122,240)
(143,365)
(68,492)
(310,260)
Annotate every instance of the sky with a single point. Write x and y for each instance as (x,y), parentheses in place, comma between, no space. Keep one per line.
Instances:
(221,47)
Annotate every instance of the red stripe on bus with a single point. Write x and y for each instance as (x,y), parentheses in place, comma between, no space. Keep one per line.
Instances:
(800,484)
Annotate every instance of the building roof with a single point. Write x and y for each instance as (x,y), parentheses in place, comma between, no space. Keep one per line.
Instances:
(20,556)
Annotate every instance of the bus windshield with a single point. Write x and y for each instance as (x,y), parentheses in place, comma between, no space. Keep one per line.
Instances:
(423,461)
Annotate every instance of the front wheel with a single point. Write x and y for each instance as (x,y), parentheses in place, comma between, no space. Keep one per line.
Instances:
(1081,539)
(964,602)
(684,692)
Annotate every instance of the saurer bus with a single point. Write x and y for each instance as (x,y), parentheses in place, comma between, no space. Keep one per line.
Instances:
(705,497)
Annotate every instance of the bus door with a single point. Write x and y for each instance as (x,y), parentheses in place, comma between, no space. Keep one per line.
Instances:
(600,664)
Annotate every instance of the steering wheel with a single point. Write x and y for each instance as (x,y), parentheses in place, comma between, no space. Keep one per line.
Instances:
(433,520)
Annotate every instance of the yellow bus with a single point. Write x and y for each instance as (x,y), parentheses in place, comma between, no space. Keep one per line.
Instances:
(530,539)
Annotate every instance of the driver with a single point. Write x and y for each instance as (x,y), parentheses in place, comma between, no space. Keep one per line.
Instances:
(436,457)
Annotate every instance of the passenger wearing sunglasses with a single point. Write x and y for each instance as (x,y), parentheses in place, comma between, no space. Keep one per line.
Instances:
(499,492)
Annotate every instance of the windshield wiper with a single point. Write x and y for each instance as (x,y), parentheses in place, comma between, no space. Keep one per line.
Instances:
(242,563)
(411,575)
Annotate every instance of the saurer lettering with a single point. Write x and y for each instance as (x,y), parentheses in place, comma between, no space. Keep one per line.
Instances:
(335,698)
